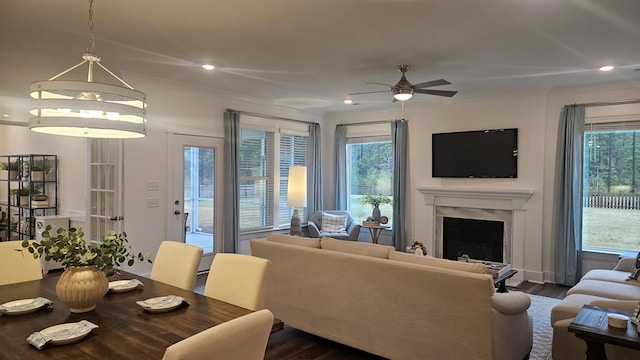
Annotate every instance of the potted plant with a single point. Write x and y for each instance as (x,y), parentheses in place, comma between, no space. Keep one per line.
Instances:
(23,195)
(4,225)
(39,169)
(376,201)
(13,169)
(86,265)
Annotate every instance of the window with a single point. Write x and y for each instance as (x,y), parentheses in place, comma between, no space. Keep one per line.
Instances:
(611,206)
(369,172)
(265,157)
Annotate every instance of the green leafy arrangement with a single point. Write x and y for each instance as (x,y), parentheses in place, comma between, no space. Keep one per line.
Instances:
(375,200)
(70,249)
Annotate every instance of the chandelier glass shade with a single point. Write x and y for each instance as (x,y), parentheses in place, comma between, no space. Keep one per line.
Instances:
(87,108)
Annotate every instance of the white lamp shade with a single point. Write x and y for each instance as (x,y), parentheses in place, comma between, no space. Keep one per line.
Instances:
(297,186)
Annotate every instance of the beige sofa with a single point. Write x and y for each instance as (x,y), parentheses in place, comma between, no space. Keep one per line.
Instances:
(393,304)
(607,288)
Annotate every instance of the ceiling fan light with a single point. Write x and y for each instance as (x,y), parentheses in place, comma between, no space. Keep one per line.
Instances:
(403,95)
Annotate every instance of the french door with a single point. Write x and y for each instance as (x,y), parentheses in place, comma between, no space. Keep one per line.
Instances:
(195,193)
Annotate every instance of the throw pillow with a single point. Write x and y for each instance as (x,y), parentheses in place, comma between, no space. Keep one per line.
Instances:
(334,223)
(635,271)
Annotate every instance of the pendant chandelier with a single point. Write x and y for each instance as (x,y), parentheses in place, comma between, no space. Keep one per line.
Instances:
(88,108)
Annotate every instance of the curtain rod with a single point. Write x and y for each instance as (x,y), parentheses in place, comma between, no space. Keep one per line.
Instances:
(271,116)
(606,103)
(369,122)
(13,123)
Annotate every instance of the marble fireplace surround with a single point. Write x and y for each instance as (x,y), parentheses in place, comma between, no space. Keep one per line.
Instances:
(506,205)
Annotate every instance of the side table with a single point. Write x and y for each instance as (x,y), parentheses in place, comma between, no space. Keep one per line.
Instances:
(500,281)
(592,325)
(375,230)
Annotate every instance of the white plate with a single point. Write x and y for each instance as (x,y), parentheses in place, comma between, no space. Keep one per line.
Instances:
(122,285)
(24,306)
(161,303)
(62,333)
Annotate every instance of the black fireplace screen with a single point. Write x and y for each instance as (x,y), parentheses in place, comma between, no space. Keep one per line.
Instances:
(480,239)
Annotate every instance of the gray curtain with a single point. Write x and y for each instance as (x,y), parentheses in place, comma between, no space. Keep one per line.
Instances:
(568,196)
(314,172)
(231,181)
(341,167)
(399,140)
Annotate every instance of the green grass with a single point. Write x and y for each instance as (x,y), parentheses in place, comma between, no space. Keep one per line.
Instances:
(611,228)
(205,214)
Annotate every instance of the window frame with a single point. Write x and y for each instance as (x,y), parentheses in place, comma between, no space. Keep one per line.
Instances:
(274,173)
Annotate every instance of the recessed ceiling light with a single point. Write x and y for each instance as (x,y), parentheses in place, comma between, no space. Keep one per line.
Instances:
(606,68)
(348,101)
(5,115)
(208,67)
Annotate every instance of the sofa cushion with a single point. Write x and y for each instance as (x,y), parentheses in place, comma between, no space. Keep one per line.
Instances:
(334,223)
(477,268)
(359,248)
(607,275)
(627,291)
(294,240)
(569,307)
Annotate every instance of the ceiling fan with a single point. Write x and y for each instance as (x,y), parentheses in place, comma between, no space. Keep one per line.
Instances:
(404,90)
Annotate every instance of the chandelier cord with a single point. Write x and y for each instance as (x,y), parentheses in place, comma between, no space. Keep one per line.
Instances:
(92,42)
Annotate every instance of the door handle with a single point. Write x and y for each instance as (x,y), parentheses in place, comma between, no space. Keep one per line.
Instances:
(177,212)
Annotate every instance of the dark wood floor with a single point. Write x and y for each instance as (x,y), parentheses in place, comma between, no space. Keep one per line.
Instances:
(293,344)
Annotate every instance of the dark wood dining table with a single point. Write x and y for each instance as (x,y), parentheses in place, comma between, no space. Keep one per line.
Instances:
(125,330)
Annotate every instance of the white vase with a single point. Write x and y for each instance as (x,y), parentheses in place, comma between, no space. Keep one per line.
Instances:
(81,287)
(376,214)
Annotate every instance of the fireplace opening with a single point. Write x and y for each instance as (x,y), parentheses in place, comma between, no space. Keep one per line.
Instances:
(480,239)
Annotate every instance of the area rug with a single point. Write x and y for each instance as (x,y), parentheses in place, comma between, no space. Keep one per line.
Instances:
(540,310)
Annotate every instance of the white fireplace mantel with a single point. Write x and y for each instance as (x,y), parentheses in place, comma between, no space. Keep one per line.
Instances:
(508,204)
(511,199)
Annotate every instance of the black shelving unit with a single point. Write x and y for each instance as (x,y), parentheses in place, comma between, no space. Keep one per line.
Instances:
(28,188)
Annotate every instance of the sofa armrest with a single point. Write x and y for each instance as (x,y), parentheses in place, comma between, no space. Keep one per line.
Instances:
(354,231)
(510,303)
(314,232)
(625,264)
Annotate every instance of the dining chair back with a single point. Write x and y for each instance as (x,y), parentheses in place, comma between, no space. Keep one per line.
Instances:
(243,338)
(177,264)
(17,264)
(238,279)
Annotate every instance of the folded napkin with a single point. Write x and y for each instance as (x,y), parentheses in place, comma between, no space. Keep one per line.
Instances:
(168,302)
(129,284)
(79,329)
(36,303)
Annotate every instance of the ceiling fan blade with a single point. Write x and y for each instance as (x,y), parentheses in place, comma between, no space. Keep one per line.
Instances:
(431,83)
(436,92)
(375,83)
(369,92)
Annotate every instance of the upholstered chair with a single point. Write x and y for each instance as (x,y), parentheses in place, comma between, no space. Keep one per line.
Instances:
(177,264)
(238,279)
(243,338)
(317,229)
(17,264)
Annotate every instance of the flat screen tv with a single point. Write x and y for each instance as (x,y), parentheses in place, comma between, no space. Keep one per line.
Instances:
(475,154)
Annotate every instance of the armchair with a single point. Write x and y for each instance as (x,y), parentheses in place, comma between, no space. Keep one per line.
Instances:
(352,229)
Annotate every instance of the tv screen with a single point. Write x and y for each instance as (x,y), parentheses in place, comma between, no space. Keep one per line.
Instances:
(475,154)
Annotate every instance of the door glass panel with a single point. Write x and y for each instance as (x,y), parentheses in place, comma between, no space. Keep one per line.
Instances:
(199,197)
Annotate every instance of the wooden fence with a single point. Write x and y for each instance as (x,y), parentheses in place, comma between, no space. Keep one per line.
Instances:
(612,200)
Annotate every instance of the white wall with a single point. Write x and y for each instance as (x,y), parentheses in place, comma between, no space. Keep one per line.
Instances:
(535,115)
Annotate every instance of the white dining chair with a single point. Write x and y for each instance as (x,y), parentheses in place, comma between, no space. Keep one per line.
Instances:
(17,264)
(238,279)
(243,338)
(177,264)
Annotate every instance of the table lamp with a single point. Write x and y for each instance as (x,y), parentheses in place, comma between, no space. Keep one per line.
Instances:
(297,195)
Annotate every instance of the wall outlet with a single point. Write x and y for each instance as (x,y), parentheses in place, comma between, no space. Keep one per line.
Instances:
(153,202)
(153,185)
